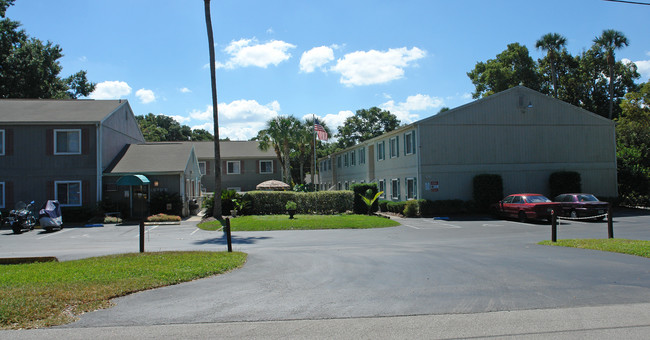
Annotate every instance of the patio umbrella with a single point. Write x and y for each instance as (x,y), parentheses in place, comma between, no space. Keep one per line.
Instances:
(273,185)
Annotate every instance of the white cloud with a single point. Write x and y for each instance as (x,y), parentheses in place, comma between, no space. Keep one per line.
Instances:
(248,52)
(240,131)
(418,102)
(239,119)
(180,119)
(202,115)
(375,67)
(110,90)
(145,96)
(185,90)
(643,66)
(333,121)
(249,109)
(315,58)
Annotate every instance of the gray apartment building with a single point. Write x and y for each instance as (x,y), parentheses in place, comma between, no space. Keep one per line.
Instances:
(520,134)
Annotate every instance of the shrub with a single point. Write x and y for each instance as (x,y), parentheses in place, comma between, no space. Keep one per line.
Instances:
(227,203)
(359,207)
(159,201)
(411,208)
(291,205)
(564,182)
(396,207)
(320,202)
(488,189)
(163,218)
(383,205)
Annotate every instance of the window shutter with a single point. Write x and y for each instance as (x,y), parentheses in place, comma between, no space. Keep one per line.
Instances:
(9,195)
(413,141)
(49,142)
(405,143)
(241,167)
(85,192)
(85,141)
(415,188)
(258,167)
(50,190)
(207,167)
(397,146)
(9,142)
(224,169)
(274,166)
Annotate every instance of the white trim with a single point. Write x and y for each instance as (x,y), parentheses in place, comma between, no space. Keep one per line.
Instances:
(393,145)
(55,142)
(3,143)
(260,167)
(205,164)
(382,183)
(410,137)
(392,191)
(56,192)
(415,193)
(238,168)
(381,154)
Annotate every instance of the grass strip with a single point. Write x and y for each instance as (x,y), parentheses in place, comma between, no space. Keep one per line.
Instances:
(51,293)
(301,222)
(616,245)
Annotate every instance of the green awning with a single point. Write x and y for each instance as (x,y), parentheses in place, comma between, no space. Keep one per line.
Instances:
(133,180)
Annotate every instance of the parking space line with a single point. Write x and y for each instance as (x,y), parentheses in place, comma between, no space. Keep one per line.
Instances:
(147,230)
(444,224)
(57,233)
(410,226)
(195,230)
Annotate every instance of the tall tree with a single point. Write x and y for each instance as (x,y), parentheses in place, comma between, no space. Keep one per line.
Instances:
(611,40)
(552,43)
(216,211)
(29,68)
(280,134)
(164,128)
(366,124)
(510,68)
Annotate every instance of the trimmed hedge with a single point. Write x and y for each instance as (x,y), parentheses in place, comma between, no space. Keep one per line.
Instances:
(320,202)
(359,206)
(396,207)
(488,189)
(426,208)
(383,205)
(564,182)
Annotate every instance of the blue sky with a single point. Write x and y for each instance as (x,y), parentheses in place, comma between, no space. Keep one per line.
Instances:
(326,58)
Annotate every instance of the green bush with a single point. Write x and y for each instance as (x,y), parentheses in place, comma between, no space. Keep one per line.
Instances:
(359,206)
(412,208)
(383,205)
(159,201)
(488,189)
(163,218)
(564,182)
(396,207)
(320,202)
(227,203)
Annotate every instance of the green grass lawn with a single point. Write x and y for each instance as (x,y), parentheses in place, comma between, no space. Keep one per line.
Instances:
(616,245)
(51,293)
(301,222)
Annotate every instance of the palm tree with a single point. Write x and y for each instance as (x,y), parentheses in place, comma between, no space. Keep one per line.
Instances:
(216,211)
(280,134)
(552,43)
(611,40)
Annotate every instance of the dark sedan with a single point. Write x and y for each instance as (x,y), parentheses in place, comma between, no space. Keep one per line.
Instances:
(525,206)
(581,205)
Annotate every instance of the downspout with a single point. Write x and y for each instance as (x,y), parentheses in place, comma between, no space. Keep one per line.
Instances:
(99,170)
(418,157)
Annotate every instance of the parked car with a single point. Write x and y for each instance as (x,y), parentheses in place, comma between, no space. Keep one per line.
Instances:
(581,205)
(525,207)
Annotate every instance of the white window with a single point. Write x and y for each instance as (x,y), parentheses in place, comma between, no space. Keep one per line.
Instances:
(393,147)
(380,151)
(382,187)
(2,142)
(2,194)
(68,193)
(67,142)
(353,160)
(202,168)
(232,167)
(345,160)
(394,190)
(362,156)
(266,167)
(409,143)
(411,189)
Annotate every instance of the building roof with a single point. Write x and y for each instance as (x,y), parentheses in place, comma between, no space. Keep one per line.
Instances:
(152,158)
(232,149)
(42,111)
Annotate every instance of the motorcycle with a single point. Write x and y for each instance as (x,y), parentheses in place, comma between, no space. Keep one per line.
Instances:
(21,218)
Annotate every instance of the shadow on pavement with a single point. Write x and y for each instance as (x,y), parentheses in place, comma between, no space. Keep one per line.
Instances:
(235,240)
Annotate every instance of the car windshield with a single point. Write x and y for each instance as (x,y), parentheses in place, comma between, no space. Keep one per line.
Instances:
(587,198)
(537,199)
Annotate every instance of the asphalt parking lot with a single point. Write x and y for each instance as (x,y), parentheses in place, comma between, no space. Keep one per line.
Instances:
(423,267)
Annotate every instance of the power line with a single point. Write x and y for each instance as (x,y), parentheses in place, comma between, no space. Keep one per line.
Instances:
(630,2)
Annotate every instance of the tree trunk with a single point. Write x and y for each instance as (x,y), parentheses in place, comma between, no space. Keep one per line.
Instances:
(216,211)
(287,165)
(611,90)
(554,78)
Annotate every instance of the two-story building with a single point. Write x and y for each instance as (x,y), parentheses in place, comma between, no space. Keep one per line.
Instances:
(520,134)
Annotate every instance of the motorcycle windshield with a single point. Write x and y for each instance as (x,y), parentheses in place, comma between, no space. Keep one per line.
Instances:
(20,205)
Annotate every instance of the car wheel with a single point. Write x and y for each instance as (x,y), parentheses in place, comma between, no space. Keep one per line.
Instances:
(573,214)
(522,216)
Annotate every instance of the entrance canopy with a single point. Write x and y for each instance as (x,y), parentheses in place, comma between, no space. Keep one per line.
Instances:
(133,180)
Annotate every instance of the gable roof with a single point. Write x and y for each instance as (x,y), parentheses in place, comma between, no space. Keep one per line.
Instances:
(152,158)
(232,149)
(59,111)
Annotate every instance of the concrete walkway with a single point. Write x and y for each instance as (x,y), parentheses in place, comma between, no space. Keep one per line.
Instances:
(630,321)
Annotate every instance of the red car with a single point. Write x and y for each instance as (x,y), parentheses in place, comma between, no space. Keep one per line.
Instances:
(525,206)
(581,205)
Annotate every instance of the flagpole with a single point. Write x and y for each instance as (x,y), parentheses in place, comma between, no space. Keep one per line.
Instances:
(314,171)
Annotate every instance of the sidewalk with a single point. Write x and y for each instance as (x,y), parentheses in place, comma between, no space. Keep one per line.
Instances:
(602,322)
